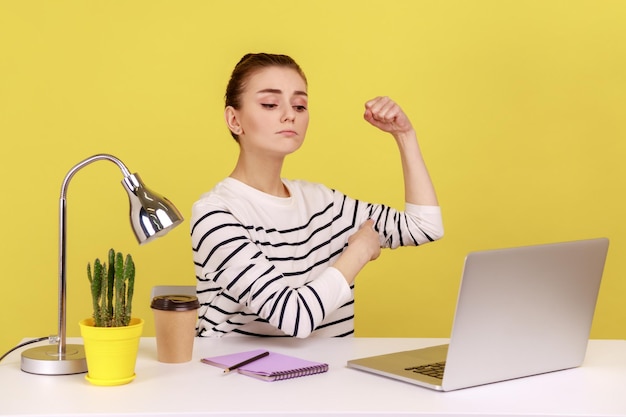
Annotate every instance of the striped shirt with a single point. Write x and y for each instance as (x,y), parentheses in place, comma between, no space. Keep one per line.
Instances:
(263,263)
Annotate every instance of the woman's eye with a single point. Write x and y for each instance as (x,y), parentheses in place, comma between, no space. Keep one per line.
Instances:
(268,105)
(300,108)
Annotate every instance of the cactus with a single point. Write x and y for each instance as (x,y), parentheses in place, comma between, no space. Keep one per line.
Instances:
(112,290)
(129,276)
(110,282)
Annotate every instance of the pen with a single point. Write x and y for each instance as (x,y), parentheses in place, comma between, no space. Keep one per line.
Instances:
(247,361)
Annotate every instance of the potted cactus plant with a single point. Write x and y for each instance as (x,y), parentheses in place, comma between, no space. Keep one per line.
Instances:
(111,335)
(112,290)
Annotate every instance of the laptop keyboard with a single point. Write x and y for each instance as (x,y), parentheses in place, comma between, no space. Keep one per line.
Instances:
(434,370)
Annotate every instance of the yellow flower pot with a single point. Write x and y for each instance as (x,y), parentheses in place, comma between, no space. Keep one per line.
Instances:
(111,352)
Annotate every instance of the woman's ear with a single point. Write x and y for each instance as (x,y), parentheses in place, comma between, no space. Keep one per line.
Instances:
(232,120)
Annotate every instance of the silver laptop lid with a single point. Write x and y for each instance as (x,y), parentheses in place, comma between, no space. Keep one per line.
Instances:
(524,311)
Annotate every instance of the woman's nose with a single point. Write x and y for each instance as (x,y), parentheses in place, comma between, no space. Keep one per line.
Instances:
(289,114)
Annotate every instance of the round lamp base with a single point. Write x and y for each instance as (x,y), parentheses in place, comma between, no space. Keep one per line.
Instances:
(45,360)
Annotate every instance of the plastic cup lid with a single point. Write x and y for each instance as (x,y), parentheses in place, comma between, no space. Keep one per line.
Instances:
(175,302)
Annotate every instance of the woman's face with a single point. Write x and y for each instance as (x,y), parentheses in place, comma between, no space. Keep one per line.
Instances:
(273,117)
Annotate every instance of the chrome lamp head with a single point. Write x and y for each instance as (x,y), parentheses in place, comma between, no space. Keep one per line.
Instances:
(151,216)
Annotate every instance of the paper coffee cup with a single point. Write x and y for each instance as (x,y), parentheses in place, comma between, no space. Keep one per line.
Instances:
(175,319)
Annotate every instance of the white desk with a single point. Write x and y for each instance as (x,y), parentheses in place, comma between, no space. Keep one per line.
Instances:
(598,388)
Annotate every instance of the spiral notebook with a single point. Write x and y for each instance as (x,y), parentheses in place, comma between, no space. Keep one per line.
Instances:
(273,367)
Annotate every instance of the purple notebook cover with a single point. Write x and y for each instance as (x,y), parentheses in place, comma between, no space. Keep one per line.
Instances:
(272,367)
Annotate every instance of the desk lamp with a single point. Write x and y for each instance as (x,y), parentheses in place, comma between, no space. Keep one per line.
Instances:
(151,216)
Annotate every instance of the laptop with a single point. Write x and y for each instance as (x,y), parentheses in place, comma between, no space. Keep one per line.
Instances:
(520,311)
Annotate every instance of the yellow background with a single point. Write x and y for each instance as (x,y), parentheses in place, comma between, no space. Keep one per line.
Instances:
(519,106)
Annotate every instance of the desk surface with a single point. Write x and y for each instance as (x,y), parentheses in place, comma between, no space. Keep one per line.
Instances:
(598,388)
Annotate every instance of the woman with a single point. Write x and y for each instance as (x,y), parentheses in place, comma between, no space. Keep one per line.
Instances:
(278,257)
